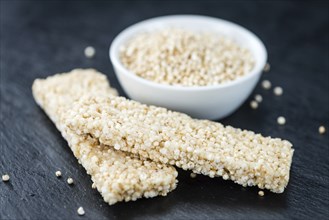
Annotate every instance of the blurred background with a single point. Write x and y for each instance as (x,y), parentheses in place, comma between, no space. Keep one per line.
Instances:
(40,38)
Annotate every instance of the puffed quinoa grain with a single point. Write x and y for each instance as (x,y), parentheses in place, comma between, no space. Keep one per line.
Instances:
(118,176)
(322,129)
(193,175)
(267,67)
(177,56)
(58,173)
(203,146)
(81,211)
(253,104)
(90,52)
(261,193)
(278,91)
(266,84)
(5,178)
(281,120)
(258,98)
(70,181)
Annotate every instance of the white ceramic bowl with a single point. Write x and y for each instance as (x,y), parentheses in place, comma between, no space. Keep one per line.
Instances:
(206,102)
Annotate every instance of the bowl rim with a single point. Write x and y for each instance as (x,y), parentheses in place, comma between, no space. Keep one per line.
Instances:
(257,70)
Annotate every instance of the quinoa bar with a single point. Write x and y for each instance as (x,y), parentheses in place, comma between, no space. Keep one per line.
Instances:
(118,176)
(174,138)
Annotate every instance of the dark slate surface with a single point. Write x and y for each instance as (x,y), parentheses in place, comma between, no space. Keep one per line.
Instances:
(40,38)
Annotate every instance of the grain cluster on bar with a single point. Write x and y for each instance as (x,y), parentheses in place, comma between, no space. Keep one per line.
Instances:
(117,175)
(169,137)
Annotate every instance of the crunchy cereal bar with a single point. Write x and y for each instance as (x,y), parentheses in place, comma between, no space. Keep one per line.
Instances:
(117,175)
(174,138)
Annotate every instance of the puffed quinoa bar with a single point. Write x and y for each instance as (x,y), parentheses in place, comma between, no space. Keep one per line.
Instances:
(203,146)
(118,176)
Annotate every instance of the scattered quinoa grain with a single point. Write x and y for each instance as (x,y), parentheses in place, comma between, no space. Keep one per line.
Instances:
(322,129)
(267,67)
(278,91)
(5,178)
(258,98)
(266,84)
(261,193)
(81,211)
(70,181)
(193,175)
(58,173)
(281,120)
(176,56)
(90,52)
(254,104)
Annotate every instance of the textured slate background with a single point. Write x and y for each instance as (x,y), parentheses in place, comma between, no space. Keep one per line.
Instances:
(41,38)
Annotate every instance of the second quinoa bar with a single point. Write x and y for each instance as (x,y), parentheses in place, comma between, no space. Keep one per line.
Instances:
(118,176)
(174,138)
